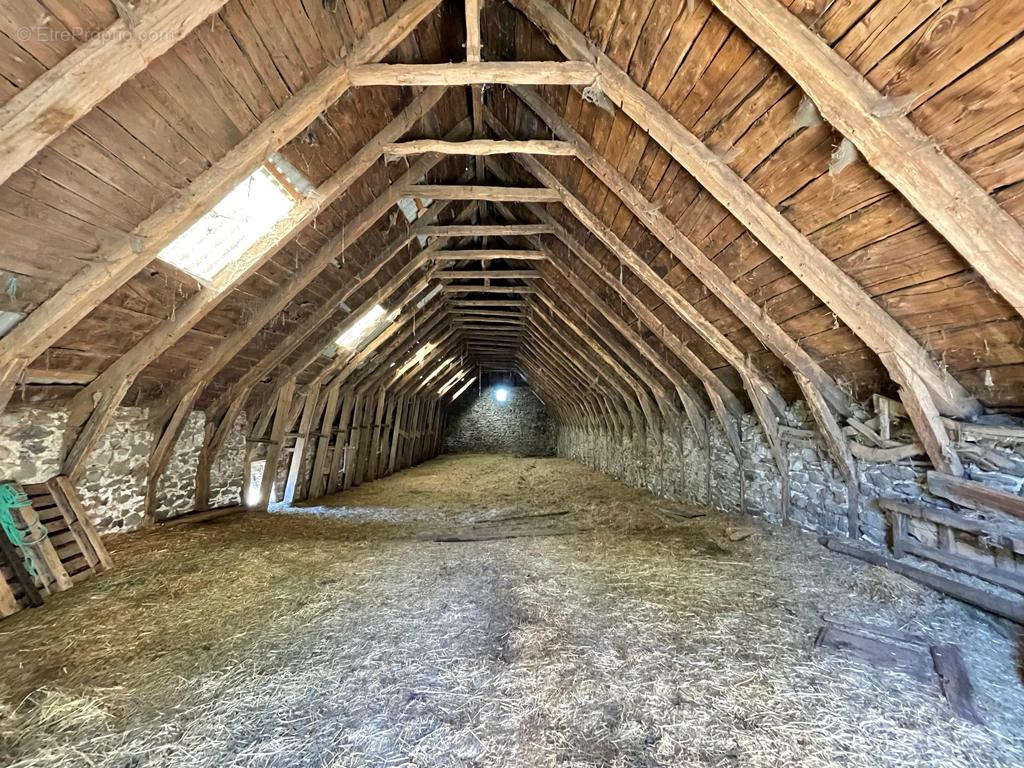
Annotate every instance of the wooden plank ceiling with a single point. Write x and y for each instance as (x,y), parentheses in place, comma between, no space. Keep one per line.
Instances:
(949,66)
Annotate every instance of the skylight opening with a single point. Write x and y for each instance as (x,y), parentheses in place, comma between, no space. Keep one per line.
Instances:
(362,327)
(230,228)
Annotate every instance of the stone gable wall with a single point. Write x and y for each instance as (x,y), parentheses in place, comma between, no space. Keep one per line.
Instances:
(480,424)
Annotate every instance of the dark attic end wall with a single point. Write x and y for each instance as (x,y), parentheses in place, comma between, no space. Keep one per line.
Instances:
(482,423)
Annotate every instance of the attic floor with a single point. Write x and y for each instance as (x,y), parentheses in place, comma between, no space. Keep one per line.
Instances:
(346,634)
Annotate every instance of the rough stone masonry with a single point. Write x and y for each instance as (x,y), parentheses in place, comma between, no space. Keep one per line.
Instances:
(479,423)
(113,486)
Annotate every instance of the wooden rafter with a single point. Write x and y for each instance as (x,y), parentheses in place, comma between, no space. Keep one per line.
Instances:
(91,407)
(767,331)
(51,103)
(988,237)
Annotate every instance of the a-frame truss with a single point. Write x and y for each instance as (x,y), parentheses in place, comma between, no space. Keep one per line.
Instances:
(494,273)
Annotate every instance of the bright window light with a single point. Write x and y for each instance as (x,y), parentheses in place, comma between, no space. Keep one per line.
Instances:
(361,328)
(501,395)
(246,214)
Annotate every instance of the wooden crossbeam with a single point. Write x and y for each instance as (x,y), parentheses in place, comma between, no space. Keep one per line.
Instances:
(488,255)
(478,147)
(476,73)
(462,303)
(51,103)
(131,252)
(988,237)
(487,322)
(837,290)
(487,313)
(485,230)
(448,288)
(488,274)
(479,192)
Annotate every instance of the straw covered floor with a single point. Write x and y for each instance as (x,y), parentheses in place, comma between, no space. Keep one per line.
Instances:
(483,610)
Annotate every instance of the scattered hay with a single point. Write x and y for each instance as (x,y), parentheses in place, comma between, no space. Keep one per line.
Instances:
(334,638)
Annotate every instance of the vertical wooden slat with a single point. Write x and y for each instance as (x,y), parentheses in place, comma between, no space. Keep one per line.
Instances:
(281,414)
(323,446)
(64,493)
(305,424)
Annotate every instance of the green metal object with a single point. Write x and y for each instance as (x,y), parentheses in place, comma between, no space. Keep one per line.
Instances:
(12,498)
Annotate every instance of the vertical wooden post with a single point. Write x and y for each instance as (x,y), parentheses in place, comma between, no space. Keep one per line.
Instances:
(317,479)
(378,419)
(341,459)
(353,441)
(305,424)
(397,433)
(281,413)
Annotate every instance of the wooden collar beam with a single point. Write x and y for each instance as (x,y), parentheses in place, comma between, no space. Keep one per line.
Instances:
(488,274)
(488,255)
(478,192)
(475,73)
(485,230)
(477,147)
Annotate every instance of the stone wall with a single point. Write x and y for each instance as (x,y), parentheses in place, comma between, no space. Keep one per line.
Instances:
(677,467)
(113,486)
(480,424)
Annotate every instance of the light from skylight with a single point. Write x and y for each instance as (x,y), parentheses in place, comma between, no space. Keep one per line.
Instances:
(362,327)
(242,217)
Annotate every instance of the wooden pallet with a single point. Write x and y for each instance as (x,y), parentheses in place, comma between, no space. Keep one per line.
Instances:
(74,549)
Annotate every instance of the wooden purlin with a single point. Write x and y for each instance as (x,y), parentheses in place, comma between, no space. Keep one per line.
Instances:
(826,280)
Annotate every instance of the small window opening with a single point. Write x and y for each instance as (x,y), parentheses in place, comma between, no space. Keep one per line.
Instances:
(230,228)
(252,493)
